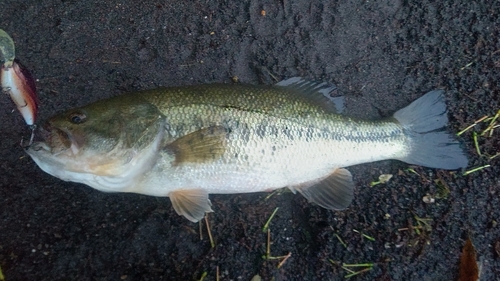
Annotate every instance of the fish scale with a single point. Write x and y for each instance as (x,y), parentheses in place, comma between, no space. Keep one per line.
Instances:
(297,157)
(188,142)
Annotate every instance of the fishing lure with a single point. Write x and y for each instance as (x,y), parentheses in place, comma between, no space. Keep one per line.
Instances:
(17,81)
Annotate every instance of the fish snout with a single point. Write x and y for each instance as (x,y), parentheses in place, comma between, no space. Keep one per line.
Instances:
(45,130)
(58,140)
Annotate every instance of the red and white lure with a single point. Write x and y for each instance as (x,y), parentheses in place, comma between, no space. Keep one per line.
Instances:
(18,82)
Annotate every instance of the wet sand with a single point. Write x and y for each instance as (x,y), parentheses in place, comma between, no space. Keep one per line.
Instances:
(381,55)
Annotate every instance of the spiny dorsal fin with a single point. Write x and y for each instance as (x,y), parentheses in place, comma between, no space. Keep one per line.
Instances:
(317,93)
(204,145)
(191,203)
(334,192)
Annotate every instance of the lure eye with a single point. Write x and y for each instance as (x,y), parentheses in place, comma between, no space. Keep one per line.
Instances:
(77,117)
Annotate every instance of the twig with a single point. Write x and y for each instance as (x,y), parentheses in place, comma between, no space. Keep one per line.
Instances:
(268,247)
(203,275)
(340,240)
(284,260)
(492,123)
(476,169)
(476,143)
(201,230)
(358,272)
(266,226)
(268,256)
(474,124)
(212,243)
(364,235)
(347,267)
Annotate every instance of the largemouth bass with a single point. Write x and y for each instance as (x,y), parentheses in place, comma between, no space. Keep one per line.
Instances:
(188,142)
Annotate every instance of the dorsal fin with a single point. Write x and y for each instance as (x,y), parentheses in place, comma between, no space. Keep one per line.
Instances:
(317,93)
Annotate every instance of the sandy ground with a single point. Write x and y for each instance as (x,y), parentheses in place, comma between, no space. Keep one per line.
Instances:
(380,54)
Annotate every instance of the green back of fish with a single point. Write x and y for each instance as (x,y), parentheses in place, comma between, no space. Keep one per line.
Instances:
(270,100)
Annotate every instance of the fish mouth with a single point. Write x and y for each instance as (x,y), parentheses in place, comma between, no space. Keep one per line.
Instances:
(56,141)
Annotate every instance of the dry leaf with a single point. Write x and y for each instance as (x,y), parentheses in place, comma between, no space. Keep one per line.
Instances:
(468,270)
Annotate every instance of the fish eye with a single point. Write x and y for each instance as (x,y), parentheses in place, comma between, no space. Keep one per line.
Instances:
(77,117)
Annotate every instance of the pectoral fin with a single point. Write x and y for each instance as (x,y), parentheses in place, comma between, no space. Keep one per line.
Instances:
(204,145)
(191,203)
(334,192)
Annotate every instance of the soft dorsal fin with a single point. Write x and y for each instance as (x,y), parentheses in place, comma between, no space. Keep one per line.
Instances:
(317,93)
(206,144)
(334,192)
(191,203)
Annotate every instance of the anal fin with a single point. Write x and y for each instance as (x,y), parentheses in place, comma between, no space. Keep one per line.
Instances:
(334,192)
(191,203)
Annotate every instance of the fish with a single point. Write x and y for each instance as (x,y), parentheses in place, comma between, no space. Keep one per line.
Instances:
(191,141)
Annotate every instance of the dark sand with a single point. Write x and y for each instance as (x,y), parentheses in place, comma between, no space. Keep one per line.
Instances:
(380,54)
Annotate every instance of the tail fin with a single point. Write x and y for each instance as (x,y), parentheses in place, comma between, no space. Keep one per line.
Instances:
(424,121)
